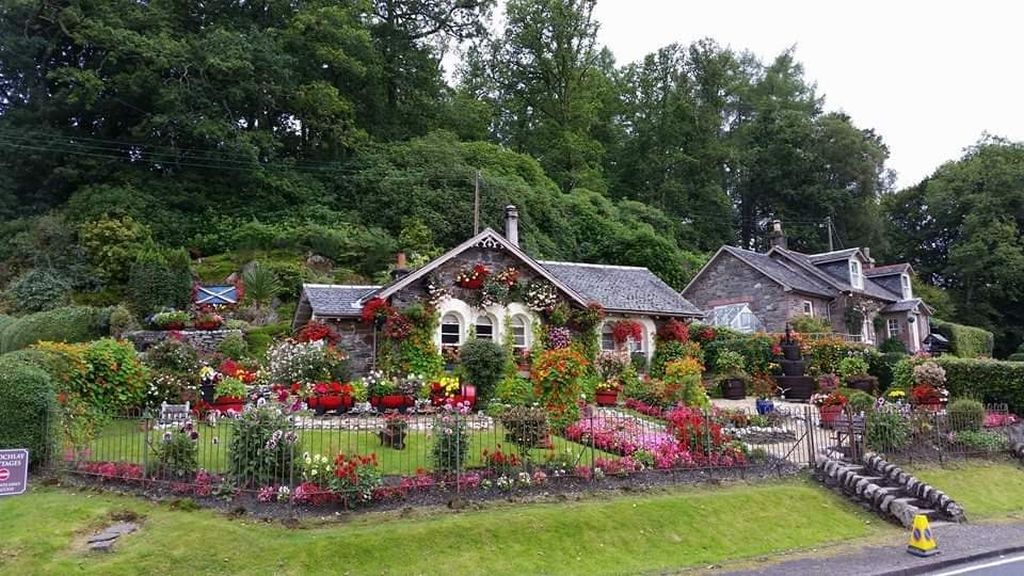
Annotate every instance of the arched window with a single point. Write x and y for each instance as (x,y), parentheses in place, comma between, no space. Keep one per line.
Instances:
(451,330)
(484,328)
(607,337)
(520,328)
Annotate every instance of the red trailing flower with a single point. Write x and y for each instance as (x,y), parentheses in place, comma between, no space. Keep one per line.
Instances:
(674,331)
(375,309)
(625,330)
(397,326)
(472,278)
(316,331)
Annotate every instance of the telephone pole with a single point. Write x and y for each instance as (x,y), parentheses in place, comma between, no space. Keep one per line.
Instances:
(476,204)
(828,225)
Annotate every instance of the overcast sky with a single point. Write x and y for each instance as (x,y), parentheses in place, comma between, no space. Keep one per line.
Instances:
(930,77)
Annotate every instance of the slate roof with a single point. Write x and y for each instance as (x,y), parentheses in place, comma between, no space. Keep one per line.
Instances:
(780,272)
(622,288)
(887,270)
(870,288)
(832,256)
(903,306)
(335,300)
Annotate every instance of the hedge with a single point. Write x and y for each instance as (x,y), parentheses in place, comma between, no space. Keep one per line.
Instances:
(965,341)
(69,324)
(880,365)
(990,381)
(756,350)
(28,409)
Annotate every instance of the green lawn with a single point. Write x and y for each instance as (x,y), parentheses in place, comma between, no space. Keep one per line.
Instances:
(985,489)
(43,530)
(124,441)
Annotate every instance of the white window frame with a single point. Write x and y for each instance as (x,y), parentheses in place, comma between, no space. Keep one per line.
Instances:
(867,330)
(489,323)
(458,329)
(634,346)
(520,341)
(808,308)
(905,287)
(856,274)
(607,338)
(892,326)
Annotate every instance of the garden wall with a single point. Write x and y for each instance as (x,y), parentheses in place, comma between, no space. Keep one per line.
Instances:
(202,340)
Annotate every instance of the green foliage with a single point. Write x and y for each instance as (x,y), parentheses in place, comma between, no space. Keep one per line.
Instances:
(965,341)
(826,354)
(665,352)
(483,364)
(39,289)
(122,321)
(172,356)
(263,447)
(805,324)
(990,381)
(887,431)
(261,284)
(156,281)
(852,366)
(451,442)
(756,350)
(983,440)
(116,378)
(176,454)
(966,414)
(893,346)
(69,324)
(113,244)
(28,409)
(881,366)
(514,391)
(860,401)
(234,346)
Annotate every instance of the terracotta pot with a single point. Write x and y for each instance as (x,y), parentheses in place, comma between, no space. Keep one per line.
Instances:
(229,403)
(392,402)
(829,415)
(733,389)
(607,397)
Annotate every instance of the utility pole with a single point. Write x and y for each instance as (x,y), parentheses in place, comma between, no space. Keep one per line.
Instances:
(476,204)
(828,224)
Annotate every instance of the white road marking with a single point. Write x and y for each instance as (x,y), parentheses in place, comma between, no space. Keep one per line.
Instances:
(970,569)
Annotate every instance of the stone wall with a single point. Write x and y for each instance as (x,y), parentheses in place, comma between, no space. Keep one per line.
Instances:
(202,340)
(728,280)
(356,339)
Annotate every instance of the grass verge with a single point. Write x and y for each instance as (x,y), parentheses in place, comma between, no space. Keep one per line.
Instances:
(986,490)
(623,535)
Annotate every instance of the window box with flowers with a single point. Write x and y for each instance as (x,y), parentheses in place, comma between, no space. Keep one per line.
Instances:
(170,320)
(830,407)
(607,393)
(331,397)
(625,331)
(386,393)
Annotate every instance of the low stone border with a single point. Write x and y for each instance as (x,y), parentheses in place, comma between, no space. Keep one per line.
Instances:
(926,492)
(104,540)
(1017,449)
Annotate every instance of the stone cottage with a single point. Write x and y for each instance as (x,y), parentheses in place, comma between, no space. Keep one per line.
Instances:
(625,293)
(753,291)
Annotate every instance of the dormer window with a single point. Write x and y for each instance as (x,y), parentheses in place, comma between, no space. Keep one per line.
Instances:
(905,284)
(856,277)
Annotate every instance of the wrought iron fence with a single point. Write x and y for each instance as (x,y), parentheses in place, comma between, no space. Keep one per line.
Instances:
(365,456)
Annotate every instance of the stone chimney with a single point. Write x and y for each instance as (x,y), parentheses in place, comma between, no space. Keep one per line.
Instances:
(512,224)
(401,268)
(777,238)
(867,256)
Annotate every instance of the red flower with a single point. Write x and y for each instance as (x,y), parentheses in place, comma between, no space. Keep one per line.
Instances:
(315,331)
(674,331)
(374,309)
(624,330)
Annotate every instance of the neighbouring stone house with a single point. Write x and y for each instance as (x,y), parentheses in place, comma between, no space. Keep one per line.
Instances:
(751,291)
(625,293)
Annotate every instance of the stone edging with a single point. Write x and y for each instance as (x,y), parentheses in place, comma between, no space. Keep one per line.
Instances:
(1017,449)
(937,498)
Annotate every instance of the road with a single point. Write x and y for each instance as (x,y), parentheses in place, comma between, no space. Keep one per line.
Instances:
(1010,566)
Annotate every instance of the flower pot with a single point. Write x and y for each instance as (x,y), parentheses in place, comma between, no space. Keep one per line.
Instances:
(733,389)
(865,384)
(328,402)
(764,406)
(173,326)
(229,404)
(829,415)
(398,402)
(607,397)
(208,325)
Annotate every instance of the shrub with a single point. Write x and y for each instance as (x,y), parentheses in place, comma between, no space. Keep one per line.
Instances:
(966,414)
(887,431)
(69,324)
(451,441)
(289,362)
(177,453)
(811,324)
(122,321)
(262,448)
(893,346)
(28,409)
(483,364)
(39,289)
(113,245)
(756,350)
(881,366)
(825,355)
(514,391)
(965,341)
(860,401)
(526,427)
(261,284)
(116,379)
(852,366)
(234,346)
(556,376)
(667,351)
(982,440)
(173,356)
(151,283)
(683,383)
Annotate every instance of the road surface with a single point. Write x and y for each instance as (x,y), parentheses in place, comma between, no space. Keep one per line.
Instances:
(1010,566)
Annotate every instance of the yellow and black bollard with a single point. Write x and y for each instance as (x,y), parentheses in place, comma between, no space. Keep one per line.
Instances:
(922,542)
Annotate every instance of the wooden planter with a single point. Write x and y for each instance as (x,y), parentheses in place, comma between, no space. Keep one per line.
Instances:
(866,384)
(790,351)
(607,397)
(733,389)
(328,402)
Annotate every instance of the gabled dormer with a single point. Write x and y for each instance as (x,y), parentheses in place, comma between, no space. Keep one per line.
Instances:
(895,278)
(848,266)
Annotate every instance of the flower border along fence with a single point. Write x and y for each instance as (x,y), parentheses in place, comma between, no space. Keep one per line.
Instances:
(270,456)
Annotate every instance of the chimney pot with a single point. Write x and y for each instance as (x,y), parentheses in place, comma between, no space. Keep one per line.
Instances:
(401,268)
(867,256)
(512,224)
(777,238)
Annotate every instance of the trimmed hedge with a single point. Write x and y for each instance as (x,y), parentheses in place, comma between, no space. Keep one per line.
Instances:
(965,341)
(28,409)
(990,381)
(69,324)
(881,366)
(756,350)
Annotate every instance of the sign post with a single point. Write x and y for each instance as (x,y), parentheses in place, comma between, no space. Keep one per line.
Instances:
(13,472)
